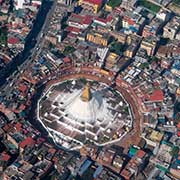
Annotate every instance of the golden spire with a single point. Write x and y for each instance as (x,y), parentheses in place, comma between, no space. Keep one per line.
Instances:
(86,94)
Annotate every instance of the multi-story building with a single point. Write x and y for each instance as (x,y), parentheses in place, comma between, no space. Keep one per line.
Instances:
(176,68)
(153,28)
(171,28)
(163,15)
(19,4)
(66,2)
(131,51)
(110,22)
(152,137)
(132,22)
(79,21)
(128,4)
(91,5)
(165,51)
(111,61)
(163,157)
(134,165)
(165,63)
(149,44)
(121,37)
(133,41)
(97,38)
(177,36)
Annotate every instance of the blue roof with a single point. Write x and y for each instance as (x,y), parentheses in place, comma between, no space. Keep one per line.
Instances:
(98,171)
(36,67)
(132,28)
(42,60)
(84,166)
(17,164)
(176,65)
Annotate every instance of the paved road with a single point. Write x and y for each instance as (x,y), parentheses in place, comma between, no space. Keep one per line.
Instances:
(156,3)
(8,87)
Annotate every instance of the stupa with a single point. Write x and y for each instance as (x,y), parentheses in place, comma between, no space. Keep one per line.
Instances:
(86,106)
(74,113)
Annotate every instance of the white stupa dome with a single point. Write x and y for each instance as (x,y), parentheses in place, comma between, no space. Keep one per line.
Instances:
(84,111)
(85,106)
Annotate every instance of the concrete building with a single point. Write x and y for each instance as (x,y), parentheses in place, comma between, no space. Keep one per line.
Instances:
(149,44)
(131,51)
(91,5)
(19,4)
(97,38)
(153,28)
(171,28)
(121,37)
(133,41)
(132,22)
(163,157)
(128,4)
(66,2)
(163,15)
(79,21)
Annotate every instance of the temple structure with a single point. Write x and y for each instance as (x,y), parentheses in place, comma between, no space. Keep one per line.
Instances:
(86,94)
(74,113)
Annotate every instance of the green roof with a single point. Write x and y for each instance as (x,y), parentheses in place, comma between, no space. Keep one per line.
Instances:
(162,168)
(133,150)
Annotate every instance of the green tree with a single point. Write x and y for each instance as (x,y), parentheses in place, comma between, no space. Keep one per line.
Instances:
(68,50)
(3,35)
(174,151)
(116,47)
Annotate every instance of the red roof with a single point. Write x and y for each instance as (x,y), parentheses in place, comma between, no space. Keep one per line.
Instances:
(157,95)
(156,84)
(73,29)
(67,60)
(52,150)
(22,88)
(13,40)
(80,19)
(7,127)
(129,20)
(22,107)
(101,20)
(109,18)
(178,133)
(71,35)
(140,153)
(87,19)
(75,17)
(18,126)
(126,173)
(98,2)
(118,10)
(5,156)
(40,140)
(27,142)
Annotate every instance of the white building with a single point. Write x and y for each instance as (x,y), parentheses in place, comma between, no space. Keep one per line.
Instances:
(163,15)
(171,28)
(19,4)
